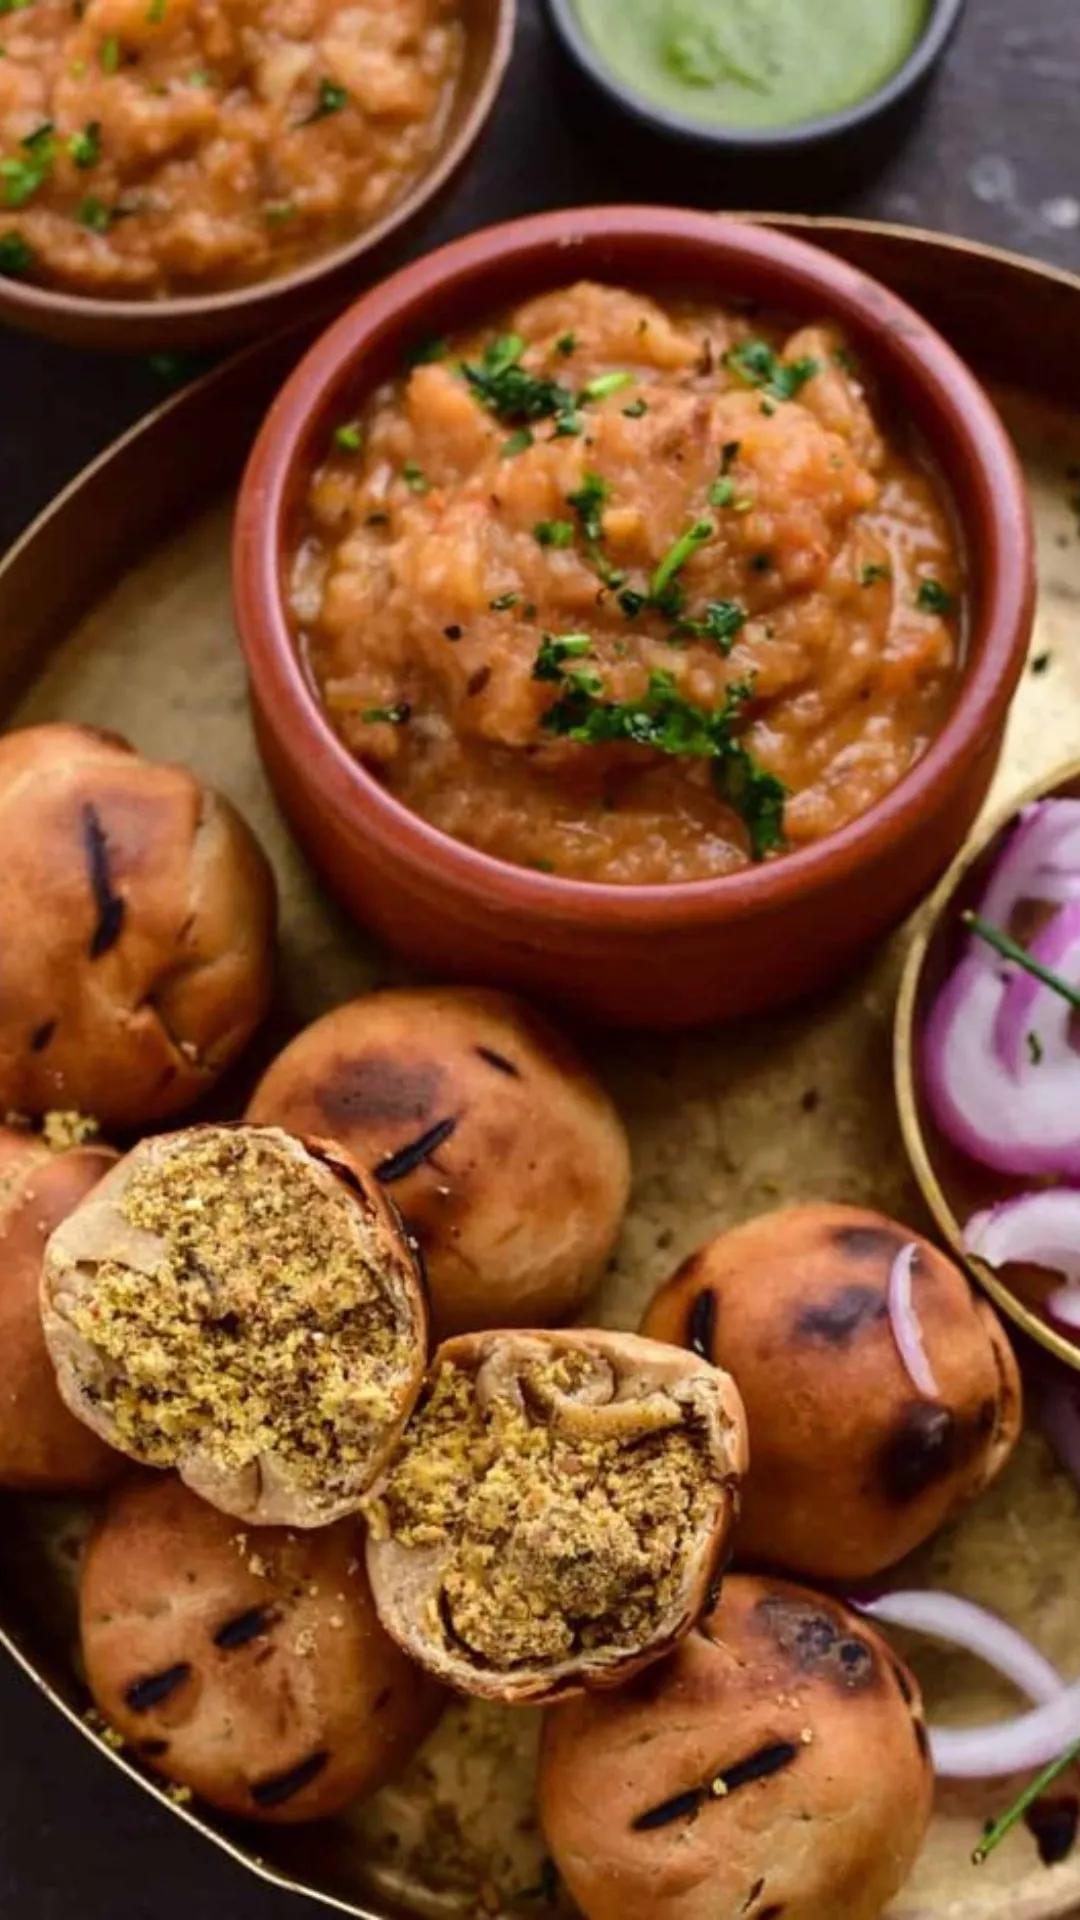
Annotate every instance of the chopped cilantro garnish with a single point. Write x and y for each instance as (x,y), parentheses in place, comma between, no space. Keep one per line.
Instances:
(606,384)
(198,77)
(722,492)
(568,426)
(504,602)
(668,723)
(555,650)
(415,478)
(278,213)
(756,363)
(156,11)
(845,360)
(588,502)
(15,6)
(427,352)
(349,438)
(566,343)
(16,257)
(519,442)
(508,390)
(330,99)
(677,556)
(110,54)
(636,409)
(553,533)
(932,597)
(22,178)
(632,602)
(391,716)
(870,575)
(84,148)
(722,621)
(93,213)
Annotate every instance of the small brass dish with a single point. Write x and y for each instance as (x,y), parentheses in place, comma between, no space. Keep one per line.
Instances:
(953,1186)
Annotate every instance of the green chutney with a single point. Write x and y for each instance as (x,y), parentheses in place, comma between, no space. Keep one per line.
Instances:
(753,63)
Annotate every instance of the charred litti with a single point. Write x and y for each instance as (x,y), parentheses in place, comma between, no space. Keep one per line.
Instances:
(557,1511)
(245,1307)
(856,1459)
(139,913)
(776,1764)
(249,1667)
(506,1157)
(43,1448)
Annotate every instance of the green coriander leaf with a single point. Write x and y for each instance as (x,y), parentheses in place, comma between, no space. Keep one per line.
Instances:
(349,438)
(872,574)
(156,12)
(606,384)
(93,213)
(427,353)
(415,478)
(553,533)
(755,362)
(109,56)
(391,716)
(506,388)
(565,344)
(568,426)
(504,602)
(16,257)
(588,502)
(932,597)
(22,178)
(278,213)
(555,650)
(519,442)
(722,622)
(632,602)
(330,99)
(84,148)
(722,492)
(678,554)
(636,410)
(14,6)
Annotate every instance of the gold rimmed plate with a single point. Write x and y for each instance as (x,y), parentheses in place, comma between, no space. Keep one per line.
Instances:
(954,1186)
(115,609)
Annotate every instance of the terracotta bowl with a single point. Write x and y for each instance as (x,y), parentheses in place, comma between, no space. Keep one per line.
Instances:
(216,319)
(657,955)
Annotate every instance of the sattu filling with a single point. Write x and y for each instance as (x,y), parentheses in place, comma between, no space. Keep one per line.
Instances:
(560,1533)
(267,1325)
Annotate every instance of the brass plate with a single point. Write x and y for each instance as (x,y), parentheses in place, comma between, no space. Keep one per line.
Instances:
(115,609)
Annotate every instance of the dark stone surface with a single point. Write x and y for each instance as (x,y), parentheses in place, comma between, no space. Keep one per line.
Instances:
(994,157)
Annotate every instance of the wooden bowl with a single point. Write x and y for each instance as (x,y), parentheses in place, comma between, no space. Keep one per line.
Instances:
(197,321)
(659,956)
(953,1186)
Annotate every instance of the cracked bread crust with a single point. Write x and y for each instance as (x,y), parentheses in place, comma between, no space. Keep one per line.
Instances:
(146,911)
(245,1307)
(557,1512)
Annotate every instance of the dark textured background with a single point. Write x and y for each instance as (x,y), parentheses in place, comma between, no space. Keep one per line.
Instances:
(995,156)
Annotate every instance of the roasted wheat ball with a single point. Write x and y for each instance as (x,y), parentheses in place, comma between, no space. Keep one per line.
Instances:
(858,1453)
(138,914)
(557,1511)
(43,1448)
(247,1666)
(508,1161)
(775,1765)
(245,1307)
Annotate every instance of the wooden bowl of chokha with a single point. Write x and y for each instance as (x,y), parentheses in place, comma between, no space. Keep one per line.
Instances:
(191,176)
(632,602)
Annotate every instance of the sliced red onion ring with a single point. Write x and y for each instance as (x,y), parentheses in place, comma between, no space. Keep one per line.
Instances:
(945,1616)
(1038,1230)
(1008,1746)
(1030,1008)
(1040,861)
(906,1327)
(1025,1122)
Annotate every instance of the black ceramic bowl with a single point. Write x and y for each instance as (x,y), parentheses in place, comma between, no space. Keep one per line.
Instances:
(841,130)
